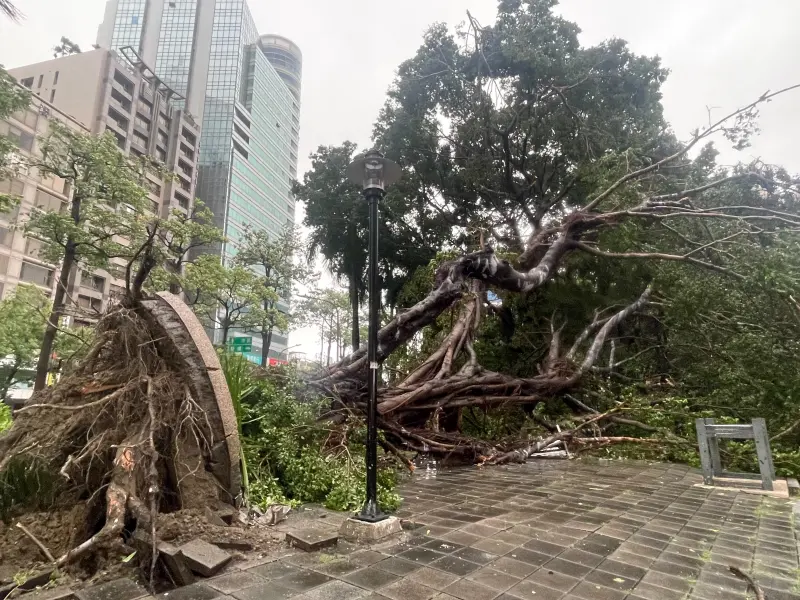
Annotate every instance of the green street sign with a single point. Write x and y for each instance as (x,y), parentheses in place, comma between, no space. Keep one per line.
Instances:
(241,341)
(241,348)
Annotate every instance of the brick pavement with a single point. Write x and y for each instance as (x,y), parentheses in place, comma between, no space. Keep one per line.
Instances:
(549,531)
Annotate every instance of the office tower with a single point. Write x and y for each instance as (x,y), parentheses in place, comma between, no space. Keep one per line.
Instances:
(95,92)
(245,89)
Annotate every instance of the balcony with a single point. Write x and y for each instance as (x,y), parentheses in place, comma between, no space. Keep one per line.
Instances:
(187,152)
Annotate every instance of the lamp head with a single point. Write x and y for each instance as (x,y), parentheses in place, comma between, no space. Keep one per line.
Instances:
(372,170)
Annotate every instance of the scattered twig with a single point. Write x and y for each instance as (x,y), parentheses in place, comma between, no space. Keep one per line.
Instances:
(750,582)
(36,541)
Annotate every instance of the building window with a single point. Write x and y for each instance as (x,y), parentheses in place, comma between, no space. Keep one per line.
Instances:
(27,82)
(183,201)
(55,78)
(5,237)
(135,20)
(41,78)
(93,282)
(34,247)
(13,187)
(123,81)
(87,303)
(22,139)
(52,95)
(48,202)
(37,275)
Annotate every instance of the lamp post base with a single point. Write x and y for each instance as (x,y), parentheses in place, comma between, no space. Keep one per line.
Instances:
(371,513)
(357,530)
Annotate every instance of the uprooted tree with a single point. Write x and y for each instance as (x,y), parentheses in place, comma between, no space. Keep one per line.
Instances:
(562,185)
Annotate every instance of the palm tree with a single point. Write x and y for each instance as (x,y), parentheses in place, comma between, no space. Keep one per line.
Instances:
(9,10)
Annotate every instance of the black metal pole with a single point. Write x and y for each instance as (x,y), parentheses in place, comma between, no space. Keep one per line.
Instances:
(371,511)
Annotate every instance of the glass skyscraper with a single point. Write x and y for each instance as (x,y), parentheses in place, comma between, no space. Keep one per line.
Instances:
(244,88)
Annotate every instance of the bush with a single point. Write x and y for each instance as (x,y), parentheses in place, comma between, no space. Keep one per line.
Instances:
(27,485)
(293,457)
(5,417)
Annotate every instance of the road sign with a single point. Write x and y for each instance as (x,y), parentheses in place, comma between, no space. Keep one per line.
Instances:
(240,344)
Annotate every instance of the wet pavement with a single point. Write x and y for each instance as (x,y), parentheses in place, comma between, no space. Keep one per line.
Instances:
(548,531)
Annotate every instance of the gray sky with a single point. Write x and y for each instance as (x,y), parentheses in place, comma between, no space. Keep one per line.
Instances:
(722,53)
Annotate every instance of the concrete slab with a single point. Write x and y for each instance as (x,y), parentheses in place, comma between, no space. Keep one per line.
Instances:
(748,486)
(354,530)
(311,540)
(203,558)
(175,563)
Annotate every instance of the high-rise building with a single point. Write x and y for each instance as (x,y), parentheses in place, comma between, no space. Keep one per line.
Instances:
(245,89)
(94,92)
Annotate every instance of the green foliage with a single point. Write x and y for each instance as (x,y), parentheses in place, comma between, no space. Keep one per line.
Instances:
(28,485)
(239,377)
(13,98)
(167,245)
(65,47)
(330,311)
(275,263)
(5,417)
(22,321)
(295,457)
(220,295)
(108,201)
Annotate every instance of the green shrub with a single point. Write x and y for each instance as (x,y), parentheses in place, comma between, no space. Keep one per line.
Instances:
(294,457)
(27,485)
(5,417)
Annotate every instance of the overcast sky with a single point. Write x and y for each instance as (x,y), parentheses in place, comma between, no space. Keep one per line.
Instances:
(721,53)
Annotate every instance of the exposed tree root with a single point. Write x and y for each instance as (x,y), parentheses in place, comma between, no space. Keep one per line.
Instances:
(124,422)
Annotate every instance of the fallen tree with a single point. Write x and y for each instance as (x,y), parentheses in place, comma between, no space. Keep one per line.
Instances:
(421,411)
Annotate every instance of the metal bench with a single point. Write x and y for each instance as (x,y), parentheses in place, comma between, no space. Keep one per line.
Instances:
(708,434)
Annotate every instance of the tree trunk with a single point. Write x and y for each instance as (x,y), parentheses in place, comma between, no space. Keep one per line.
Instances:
(356,334)
(266,342)
(43,364)
(330,341)
(226,327)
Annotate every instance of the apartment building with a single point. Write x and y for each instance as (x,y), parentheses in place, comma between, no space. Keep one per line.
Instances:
(101,91)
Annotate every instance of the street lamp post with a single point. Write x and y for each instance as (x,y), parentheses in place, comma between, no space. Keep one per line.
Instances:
(373,172)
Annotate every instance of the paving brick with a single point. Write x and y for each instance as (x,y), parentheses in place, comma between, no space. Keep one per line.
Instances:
(493,579)
(513,567)
(433,578)
(235,581)
(648,591)
(265,591)
(196,591)
(455,565)
(203,558)
(311,540)
(592,591)
(553,579)
(405,589)
(371,578)
(397,566)
(302,580)
(119,589)
(530,589)
(274,570)
(420,555)
(470,590)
